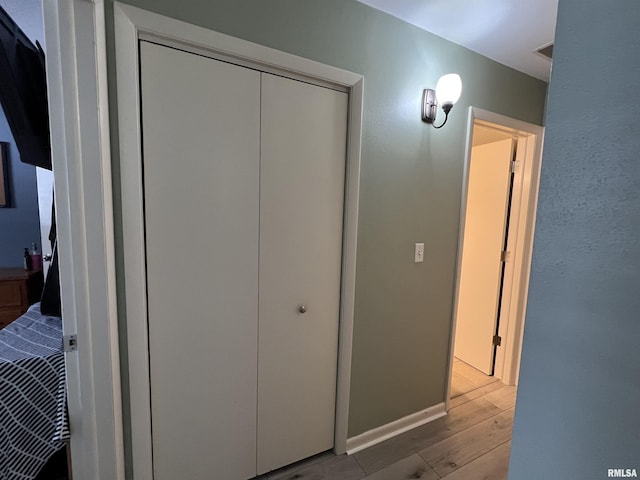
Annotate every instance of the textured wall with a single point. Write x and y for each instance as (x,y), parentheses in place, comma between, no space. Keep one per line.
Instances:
(410,183)
(19,225)
(577,412)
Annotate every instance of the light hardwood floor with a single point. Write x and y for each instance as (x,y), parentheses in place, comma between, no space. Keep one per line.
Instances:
(471,443)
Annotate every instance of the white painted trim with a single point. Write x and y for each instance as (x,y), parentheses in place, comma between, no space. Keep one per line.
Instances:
(513,333)
(349,250)
(78,107)
(520,238)
(130,24)
(148,23)
(133,221)
(395,428)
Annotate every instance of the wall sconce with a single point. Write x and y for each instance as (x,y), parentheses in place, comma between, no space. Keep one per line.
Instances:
(447,92)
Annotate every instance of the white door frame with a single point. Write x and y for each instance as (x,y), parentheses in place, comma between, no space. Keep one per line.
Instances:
(77,86)
(131,24)
(522,224)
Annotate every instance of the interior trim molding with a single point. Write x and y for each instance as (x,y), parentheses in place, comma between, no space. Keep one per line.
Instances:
(395,428)
(80,150)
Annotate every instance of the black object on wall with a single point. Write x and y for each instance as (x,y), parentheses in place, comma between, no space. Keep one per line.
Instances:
(5,193)
(23,93)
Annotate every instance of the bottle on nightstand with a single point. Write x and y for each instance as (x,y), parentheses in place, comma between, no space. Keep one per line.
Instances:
(28,264)
(36,257)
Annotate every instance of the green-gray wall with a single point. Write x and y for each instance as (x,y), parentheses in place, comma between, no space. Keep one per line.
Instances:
(410,183)
(579,394)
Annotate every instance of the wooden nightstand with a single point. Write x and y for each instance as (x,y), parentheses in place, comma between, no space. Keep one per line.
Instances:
(18,290)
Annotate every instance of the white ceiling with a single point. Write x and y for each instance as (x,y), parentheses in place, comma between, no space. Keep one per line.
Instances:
(507,31)
(483,135)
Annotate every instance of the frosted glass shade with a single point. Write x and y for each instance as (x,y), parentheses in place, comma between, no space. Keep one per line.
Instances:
(448,89)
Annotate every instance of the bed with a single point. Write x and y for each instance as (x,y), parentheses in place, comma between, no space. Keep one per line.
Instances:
(33,408)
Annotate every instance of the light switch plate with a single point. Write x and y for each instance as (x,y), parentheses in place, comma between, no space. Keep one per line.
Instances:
(419,253)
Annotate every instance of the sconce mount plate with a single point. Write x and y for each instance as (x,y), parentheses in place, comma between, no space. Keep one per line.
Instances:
(429,105)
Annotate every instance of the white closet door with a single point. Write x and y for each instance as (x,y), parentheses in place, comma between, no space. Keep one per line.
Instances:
(201,133)
(301,215)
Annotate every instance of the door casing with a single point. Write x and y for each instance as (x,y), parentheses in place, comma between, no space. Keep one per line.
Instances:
(131,25)
(80,149)
(522,224)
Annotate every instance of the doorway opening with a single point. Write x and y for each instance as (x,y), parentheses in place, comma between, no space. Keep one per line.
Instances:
(32,355)
(494,251)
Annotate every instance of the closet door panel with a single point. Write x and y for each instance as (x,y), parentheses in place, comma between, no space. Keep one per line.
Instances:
(201,138)
(301,216)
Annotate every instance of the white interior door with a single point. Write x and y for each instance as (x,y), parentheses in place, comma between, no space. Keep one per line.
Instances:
(44,180)
(301,211)
(481,270)
(201,139)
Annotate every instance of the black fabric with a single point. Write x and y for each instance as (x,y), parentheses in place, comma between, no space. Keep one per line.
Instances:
(23,93)
(50,302)
(56,468)
(53,231)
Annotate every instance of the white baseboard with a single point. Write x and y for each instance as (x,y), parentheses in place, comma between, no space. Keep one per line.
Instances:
(384,432)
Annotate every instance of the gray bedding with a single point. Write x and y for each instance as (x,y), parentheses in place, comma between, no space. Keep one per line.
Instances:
(33,417)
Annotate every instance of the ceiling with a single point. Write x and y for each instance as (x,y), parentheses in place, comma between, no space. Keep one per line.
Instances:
(483,135)
(507,31)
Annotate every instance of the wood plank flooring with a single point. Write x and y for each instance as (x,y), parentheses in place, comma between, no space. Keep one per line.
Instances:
(471,443)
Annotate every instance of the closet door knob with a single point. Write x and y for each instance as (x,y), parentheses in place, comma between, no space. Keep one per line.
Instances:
(302,309)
